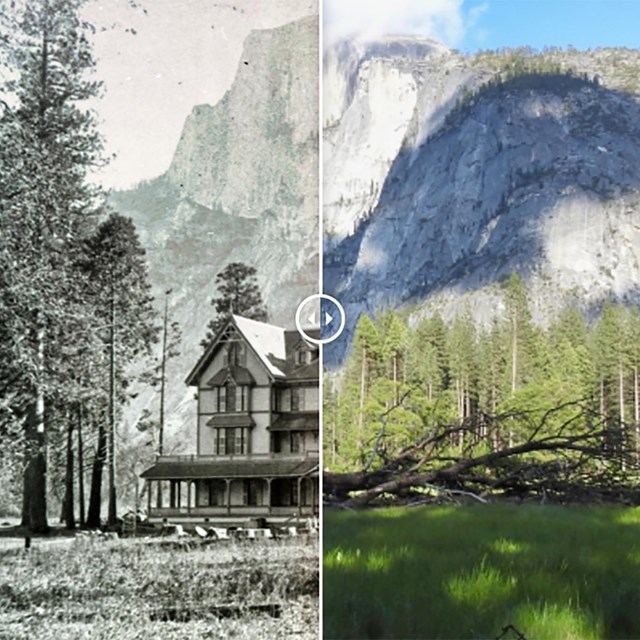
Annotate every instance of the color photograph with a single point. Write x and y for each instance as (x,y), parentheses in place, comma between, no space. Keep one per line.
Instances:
(481,416)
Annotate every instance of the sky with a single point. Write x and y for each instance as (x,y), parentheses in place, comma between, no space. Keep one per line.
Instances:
(469,25)
(159,61)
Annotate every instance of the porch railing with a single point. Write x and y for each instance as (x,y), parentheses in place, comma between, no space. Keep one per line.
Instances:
(195,459)
(245,511)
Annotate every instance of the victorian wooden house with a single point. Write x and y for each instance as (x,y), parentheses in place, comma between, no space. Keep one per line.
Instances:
(257,433)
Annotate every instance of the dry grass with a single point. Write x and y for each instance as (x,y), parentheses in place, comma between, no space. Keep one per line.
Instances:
(130,589)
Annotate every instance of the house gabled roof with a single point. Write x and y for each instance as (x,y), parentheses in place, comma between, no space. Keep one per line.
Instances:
(266,340)
(274,346)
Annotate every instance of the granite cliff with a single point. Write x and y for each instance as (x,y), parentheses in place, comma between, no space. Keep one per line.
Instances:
(445,173)
(242,187)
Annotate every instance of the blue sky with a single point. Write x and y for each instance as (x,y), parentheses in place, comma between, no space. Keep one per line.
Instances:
(469,25)
(582,23)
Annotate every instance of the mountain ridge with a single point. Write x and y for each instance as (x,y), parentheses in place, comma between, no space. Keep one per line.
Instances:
(528,165)
(238,189)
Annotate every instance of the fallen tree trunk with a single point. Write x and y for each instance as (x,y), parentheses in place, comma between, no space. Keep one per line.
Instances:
(559,465)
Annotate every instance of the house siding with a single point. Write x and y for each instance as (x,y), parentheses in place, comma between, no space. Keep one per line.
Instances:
(259,403)
(258,482)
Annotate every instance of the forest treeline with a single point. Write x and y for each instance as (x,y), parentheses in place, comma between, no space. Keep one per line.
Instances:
(75,304)
(403,381)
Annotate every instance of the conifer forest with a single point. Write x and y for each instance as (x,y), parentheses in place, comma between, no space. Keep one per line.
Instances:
(510,409)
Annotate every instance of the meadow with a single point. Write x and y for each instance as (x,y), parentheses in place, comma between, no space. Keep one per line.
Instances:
(130,589)
(552,572)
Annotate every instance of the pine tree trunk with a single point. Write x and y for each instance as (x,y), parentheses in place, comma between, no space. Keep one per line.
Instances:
(622,434)
(467,407)
(514,369)
(395,379)
(69,519)
(494,393)
(34,502)
(163,370)
(363,367)
(112,510)
(95,496)
(333,437)
(34,497)
(608,444)
(514,355)
(81,505)
(636,411)
(494,408)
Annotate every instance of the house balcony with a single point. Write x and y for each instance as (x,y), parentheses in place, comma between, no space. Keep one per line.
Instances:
(245,457)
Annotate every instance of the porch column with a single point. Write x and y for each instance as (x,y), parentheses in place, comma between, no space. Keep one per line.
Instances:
(312,486)
(149,487)
(228,495)
(268,496)
(189,497)
(299,496)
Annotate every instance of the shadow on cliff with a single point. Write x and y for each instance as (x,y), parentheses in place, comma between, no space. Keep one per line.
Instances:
(464,208)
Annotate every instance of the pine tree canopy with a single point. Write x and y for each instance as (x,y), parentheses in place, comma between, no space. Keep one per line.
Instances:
(239,294)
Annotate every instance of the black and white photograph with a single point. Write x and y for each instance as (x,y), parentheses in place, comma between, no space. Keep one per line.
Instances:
(159,407)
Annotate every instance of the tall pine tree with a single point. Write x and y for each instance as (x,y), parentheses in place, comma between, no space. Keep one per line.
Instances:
(120,287)
(47,145)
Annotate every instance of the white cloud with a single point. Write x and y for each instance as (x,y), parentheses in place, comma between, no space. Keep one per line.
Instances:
(443,20)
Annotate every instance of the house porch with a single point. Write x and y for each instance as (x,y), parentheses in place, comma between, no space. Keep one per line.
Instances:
(201,492)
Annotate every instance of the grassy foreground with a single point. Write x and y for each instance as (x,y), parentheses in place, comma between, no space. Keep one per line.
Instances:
(135,589)
(554,573)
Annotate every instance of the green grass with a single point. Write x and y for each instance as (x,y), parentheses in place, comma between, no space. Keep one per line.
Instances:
(125,589)
(557,573)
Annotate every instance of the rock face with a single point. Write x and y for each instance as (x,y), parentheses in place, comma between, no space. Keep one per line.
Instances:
(242,187)
(476,168)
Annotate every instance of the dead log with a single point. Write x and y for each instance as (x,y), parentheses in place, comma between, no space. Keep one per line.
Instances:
(513,470)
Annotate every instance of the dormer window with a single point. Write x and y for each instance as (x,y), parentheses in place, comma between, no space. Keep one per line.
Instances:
(305,354)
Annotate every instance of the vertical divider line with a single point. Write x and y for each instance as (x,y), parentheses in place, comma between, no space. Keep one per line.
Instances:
(320,290)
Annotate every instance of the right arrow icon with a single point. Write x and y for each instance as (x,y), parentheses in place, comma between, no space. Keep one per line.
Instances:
(327,318)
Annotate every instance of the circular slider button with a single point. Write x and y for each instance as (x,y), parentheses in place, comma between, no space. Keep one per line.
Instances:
(323,312)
